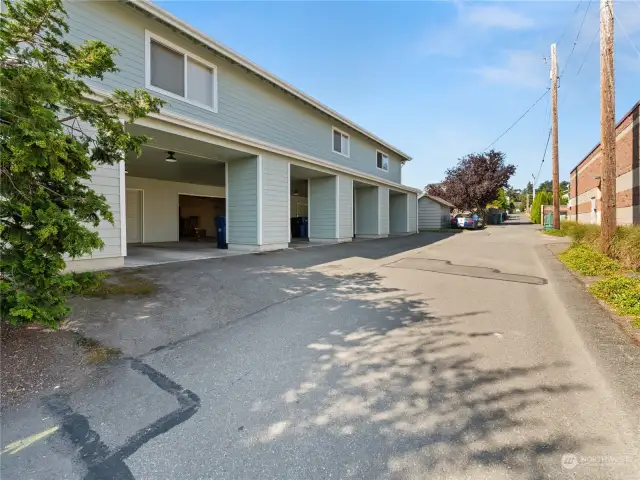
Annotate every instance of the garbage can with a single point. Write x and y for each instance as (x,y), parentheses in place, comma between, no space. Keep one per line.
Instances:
(548,221)
(295,227)
(221,229)
(304,227)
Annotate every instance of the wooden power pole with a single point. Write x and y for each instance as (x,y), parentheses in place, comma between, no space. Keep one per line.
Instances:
(607,128)
(554,134)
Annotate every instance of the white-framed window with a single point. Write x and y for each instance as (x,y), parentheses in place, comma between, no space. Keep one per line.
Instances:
(382,160)
(177,73)
(340,142)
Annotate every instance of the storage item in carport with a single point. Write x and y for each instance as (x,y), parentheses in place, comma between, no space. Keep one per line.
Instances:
(304,227)
(295,227)
(221,229)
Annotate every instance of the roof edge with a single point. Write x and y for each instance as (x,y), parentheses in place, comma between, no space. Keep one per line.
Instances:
(439,200)
(193,32)
(624,117)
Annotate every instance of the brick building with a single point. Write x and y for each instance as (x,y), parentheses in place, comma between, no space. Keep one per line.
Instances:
(584,193)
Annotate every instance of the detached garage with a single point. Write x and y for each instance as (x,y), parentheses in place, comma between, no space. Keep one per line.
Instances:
(433,212)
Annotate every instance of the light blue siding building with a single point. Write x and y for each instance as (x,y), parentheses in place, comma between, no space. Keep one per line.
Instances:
(232,140)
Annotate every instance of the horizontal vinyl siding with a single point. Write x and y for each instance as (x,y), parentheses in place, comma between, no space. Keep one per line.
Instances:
(322,200)
(367,211)
(242,198)
(429,214)
(346,207)
(383,210)
(412,212)
(246,105)
(398,214)
(275,200)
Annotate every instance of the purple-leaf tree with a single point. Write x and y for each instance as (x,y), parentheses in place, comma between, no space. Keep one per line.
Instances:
(475,181)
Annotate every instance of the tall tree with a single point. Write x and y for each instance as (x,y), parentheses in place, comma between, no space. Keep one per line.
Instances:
(48,209)
(475,181)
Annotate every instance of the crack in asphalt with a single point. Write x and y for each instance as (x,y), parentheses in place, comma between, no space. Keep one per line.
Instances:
(446,267)
(101,462)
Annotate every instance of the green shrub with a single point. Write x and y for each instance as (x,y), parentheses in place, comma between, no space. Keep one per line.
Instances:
(589,262)
(626,246)
(541,198)
(555,233)
(626,242)
(621,293)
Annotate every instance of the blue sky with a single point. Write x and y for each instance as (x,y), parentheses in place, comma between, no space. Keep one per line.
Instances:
(439,79)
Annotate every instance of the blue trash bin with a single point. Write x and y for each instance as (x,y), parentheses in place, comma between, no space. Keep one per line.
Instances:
(221,229)
(304,227)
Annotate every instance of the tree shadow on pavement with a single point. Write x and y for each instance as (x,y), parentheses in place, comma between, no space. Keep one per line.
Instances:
(403,394)
(375,386)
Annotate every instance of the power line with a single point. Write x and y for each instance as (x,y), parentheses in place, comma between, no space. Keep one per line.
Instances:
(543,157)
(568,23)
(518,120)
(575,42)
(625,32)
(588,51)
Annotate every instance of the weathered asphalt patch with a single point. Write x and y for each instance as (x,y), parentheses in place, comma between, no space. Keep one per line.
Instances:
(448,268)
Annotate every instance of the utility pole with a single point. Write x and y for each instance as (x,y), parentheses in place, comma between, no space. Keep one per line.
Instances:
(555,181)
(607,128)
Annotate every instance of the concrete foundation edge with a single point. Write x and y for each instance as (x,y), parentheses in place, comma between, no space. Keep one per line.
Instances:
(94,264)
(258,248)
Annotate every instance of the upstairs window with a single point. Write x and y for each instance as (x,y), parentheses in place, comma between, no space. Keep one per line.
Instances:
(177,73)
(382,161)
(340,142)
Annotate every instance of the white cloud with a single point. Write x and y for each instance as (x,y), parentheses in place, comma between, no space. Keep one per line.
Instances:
(470,26)
(496,17)
(520,69)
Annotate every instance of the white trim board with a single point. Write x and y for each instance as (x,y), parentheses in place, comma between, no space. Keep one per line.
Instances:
(289,199)
(226,203)
(337,206)
(123,208)
(259,200)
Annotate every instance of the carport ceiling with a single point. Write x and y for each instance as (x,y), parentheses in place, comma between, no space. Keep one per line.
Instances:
(187,169)
(303,173)
(176,143)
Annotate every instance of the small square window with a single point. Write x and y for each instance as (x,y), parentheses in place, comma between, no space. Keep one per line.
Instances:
(382,161)
(340,142)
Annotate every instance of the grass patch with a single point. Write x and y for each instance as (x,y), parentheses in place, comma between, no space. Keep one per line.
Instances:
(589,262)
(95,352)
(625,247)
(621,293)
(106,285)
(555,233)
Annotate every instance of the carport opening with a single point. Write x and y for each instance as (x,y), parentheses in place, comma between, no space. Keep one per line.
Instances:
(398,214)
(196,217)
(299,210)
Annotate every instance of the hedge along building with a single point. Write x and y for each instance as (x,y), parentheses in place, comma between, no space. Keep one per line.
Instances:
(584,193)
(236,138)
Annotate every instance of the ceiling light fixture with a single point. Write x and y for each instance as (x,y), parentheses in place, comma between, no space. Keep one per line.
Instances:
(170,157)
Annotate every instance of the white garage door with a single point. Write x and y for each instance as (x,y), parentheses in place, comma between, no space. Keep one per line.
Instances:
(134,231)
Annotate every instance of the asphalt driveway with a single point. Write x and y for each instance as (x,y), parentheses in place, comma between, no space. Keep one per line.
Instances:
(394,359)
